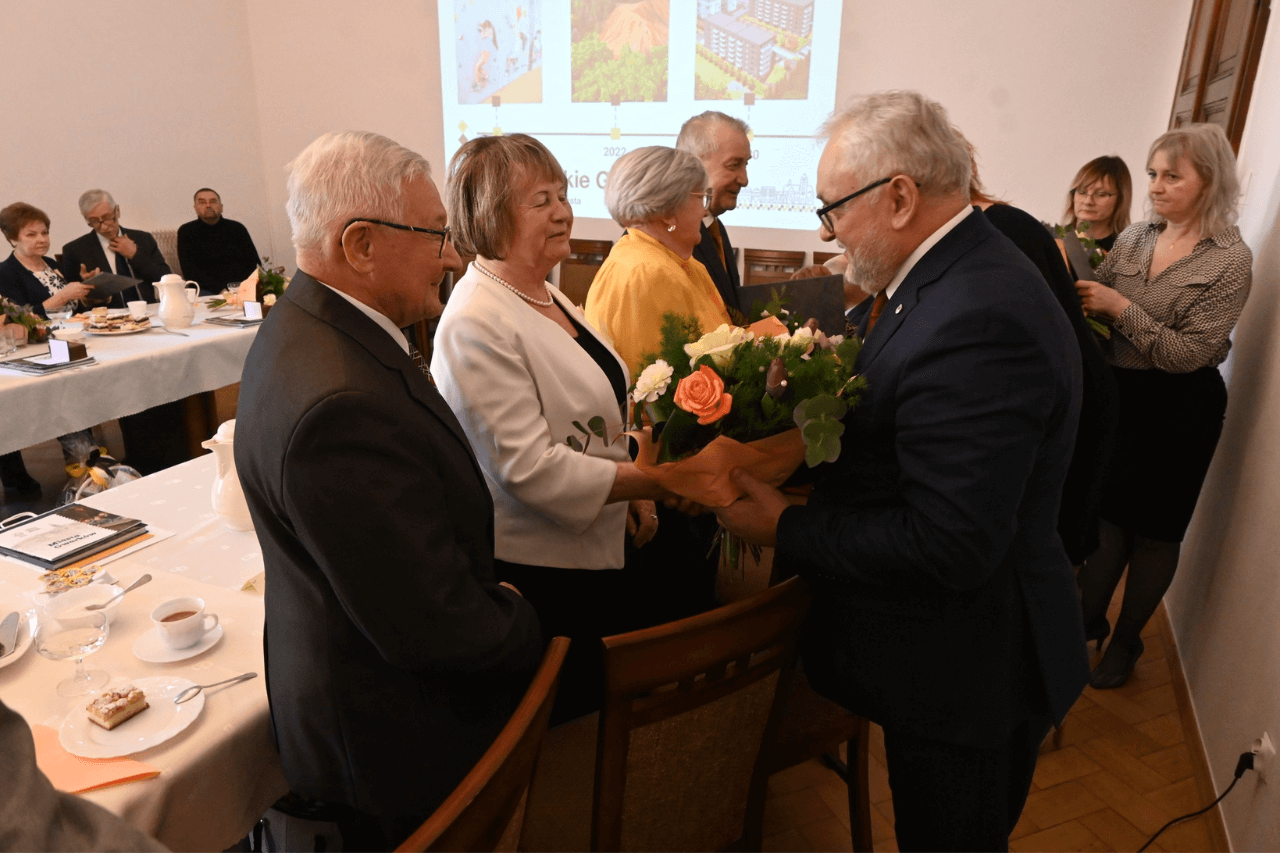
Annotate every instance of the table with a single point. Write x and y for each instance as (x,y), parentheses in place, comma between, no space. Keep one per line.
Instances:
(221,774)
(133,373)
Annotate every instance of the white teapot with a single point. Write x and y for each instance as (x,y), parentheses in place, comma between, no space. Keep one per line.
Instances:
(176,309)
(228,495)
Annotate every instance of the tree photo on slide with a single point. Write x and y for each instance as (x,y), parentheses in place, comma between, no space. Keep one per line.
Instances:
(619,49)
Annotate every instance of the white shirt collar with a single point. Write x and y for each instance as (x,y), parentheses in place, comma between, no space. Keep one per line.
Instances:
(377,317)
(106,244)
(929,243)
(708,219)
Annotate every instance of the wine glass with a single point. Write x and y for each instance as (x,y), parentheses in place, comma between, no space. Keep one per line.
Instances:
(74,637)
(60,315)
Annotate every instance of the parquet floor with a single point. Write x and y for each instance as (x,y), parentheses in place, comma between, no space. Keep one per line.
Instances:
(1123,770)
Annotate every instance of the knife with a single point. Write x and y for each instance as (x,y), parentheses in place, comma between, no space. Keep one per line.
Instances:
(9,634)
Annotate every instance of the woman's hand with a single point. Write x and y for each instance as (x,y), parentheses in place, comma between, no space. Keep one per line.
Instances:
(1098,300)
(642,521)
(70,293)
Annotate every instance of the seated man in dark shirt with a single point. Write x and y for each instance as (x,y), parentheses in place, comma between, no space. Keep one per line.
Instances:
(214,251)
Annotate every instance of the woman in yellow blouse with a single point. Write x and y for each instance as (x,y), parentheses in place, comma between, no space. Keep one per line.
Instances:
(660,196)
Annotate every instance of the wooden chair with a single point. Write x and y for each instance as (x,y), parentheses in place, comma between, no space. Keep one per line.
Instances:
(486,810)
(766,266)
(579,269)
(823,257)
(678,748)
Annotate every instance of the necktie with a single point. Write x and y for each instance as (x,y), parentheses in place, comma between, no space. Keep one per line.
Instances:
(122,265)
(421,363)
(876,307)
(714,228)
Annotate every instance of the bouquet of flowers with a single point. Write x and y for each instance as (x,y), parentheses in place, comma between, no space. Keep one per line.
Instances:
(22,315)
(265,284)
(1096,255)
(764,398)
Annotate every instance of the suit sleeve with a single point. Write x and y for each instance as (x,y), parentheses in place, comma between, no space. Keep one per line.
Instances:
(972,411)
(488,384)
(391,554)
(71,261)
(147,263)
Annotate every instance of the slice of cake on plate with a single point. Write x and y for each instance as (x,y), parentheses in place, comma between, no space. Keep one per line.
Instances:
(115,706)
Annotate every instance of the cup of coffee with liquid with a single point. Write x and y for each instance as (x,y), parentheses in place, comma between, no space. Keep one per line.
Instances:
(182,622)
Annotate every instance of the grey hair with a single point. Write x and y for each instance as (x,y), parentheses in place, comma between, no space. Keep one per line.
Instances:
(650,182)
(89,199)
(697,135)
(1208,150)
(343,175)
(902,133)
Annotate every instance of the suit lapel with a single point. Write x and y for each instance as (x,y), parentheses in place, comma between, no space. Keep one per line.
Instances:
(728,255)
(972,230)
(317,300)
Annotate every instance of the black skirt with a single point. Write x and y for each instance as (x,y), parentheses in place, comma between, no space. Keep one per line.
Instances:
(1167,432)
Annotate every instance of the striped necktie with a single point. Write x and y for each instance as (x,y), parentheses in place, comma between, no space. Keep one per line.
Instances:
(421,363)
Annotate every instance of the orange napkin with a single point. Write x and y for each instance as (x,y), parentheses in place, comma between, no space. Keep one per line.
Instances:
(72,773)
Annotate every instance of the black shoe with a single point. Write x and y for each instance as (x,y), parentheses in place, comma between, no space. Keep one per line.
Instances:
(1115,666)
(23,486)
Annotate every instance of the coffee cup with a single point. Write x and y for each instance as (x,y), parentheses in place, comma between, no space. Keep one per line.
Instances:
(182,622)
(137,309)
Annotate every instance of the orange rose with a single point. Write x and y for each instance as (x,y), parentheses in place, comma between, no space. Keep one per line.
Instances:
(702,394)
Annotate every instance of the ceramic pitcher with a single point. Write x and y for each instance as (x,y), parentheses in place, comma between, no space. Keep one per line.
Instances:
(227,495)
(176,310)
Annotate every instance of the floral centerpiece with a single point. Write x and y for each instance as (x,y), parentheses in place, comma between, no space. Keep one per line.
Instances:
(23,315)
(1096,255)
(265,284)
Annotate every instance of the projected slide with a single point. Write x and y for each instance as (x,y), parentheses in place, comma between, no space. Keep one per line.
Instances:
(594,79)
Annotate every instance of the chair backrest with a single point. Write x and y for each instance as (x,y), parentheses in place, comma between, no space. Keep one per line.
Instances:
(765,266)
(579,269)
(688,705)
(167,242)
(486,809)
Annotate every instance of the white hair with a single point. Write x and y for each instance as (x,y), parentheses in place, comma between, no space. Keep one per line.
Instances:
(902,133)
(90,199)
(650,182)
(698,134)
(345,175)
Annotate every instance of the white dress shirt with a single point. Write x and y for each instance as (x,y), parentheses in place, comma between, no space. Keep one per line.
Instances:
(381,319)
(113,257)
(929,243)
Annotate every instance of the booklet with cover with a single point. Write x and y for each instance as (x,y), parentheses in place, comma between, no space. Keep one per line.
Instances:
(66,534)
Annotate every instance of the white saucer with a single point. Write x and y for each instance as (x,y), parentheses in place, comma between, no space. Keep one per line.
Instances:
(25,638)
(150,728)
(152,649)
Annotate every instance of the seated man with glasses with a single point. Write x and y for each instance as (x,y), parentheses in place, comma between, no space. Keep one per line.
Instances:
(108,248)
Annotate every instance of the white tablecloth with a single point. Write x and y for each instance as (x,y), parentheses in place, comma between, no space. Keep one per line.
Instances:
(222,773)
(134,373)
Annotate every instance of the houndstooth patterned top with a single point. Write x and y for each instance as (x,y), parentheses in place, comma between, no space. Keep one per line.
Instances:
(1182,320)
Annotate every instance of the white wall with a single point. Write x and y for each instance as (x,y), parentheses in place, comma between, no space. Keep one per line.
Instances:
(147,99)
(1225,602)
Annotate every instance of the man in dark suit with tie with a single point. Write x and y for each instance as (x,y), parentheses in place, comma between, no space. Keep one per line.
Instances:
(393,656)
(720,142)
(110,248)
(944,604)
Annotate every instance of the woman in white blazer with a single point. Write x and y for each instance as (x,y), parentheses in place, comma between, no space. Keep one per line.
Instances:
(519,364)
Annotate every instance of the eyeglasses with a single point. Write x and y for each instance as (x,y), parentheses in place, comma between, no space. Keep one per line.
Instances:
(95,222)
(443,235)
(1100,195)
(706,197)
(824,213)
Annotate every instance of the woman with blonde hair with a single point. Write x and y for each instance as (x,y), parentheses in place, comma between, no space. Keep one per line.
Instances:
(1100,196)
(1172,290)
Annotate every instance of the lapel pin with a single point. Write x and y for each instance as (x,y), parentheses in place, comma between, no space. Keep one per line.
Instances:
(898,310)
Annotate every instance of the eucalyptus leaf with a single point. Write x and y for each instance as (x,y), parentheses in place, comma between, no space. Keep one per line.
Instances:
(597,426)
(573,442)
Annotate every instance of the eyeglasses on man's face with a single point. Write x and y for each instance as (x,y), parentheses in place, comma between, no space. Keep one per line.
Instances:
(1096,195)
(98,221)
(443,235)
(824,213)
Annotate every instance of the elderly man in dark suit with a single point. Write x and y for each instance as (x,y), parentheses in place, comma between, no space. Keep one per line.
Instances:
(393,656)
(110,248)
(720,142)
(944,604)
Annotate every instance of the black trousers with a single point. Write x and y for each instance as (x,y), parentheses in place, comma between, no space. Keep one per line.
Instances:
(951,797)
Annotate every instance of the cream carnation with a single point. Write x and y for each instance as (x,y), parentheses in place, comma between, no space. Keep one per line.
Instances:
(652,382)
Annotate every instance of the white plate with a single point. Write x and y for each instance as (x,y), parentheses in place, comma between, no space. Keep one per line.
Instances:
(108,332)
(151,728)
(152,649)
(25,631)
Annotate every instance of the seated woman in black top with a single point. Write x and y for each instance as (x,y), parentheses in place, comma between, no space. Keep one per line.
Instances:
(27,277)
(1100,196)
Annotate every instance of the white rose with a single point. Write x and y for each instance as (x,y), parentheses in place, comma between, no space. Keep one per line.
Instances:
(718,344)
(652,382)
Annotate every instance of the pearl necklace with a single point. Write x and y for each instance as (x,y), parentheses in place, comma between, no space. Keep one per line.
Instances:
(526,297)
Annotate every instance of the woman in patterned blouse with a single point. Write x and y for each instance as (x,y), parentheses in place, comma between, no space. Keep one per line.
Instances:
(1172,290)
(28,277)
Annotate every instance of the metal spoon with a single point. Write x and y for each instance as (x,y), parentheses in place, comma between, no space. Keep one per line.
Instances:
(192,691)
(139,582)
